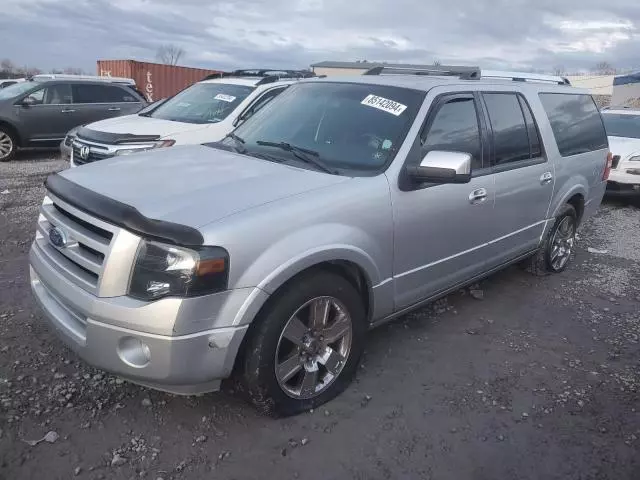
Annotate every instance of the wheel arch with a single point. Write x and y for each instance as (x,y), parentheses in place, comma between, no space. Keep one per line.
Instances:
(13,130)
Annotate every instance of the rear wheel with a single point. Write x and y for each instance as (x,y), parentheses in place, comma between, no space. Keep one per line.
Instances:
(558,246)
(8,144)
(305,349)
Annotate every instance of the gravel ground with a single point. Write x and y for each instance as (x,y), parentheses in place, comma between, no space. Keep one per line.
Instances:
(524,378)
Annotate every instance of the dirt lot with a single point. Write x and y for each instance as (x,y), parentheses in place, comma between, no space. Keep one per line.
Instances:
(538,379)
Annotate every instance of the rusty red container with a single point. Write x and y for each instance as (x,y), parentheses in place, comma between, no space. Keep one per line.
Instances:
(155,80)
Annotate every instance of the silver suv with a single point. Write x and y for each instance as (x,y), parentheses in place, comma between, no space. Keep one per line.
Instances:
(339,206)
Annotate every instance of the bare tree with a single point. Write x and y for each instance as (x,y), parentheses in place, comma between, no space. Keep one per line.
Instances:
(437,63)
(559,70)
(604,68)
(7,67)
(73,71)
(169,54)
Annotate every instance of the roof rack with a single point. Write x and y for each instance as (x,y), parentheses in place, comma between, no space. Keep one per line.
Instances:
(464,73)
(61,76)
(525,77)
(267,75)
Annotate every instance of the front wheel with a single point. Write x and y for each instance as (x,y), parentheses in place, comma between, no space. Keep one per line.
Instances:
(8,145)
(305,348)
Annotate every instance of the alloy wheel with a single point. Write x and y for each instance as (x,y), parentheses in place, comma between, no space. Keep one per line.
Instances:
(562,243)
(313,347)
(6,145)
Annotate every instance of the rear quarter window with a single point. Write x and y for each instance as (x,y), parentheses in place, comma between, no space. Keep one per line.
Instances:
(576,123)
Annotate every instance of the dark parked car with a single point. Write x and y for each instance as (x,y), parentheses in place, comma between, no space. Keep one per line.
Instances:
(39,112)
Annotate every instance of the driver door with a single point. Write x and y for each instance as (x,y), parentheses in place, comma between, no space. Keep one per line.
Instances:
(441,230)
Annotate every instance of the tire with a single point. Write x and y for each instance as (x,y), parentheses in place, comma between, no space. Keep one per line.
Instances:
(269,345)
(545,261)
(8,144)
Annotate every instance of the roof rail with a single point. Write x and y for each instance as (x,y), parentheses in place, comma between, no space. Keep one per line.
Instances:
(464,73)
(63,76)
(525,77)
(267,75)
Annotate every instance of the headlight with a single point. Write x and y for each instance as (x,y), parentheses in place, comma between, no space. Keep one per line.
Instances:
(164,270)
(144,148)
(635,159)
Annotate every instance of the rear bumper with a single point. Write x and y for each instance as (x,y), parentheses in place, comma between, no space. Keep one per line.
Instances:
(615,188)
(182,364)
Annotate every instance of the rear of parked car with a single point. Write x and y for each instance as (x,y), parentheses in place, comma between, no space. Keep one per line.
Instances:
(623,129)
(336,208)
(40,112)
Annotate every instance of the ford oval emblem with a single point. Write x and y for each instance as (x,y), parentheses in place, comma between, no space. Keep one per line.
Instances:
(57,237)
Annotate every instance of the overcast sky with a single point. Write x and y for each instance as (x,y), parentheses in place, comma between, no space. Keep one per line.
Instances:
(225,34)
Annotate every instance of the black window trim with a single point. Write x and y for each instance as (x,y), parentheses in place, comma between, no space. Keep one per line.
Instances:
(520,163)
(258,98)
(44,86)
(415,153)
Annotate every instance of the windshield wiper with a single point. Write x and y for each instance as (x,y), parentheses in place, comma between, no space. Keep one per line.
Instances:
(304,154)
(239,140)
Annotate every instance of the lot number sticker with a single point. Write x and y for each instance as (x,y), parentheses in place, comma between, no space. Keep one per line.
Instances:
(384,104)
(225,98)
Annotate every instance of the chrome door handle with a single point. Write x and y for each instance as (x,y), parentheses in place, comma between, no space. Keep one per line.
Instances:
(68,110)
(114,109)
(545,178)
(478,196)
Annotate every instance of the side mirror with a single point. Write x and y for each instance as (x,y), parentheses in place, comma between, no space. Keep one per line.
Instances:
(28,101)
(442,167)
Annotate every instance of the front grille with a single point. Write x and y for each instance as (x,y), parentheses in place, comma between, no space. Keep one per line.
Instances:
(616,161)
(82,259)
(95,153)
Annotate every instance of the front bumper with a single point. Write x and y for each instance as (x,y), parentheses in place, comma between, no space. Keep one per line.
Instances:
(189,363)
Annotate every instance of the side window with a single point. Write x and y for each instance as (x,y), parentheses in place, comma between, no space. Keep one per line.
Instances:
(88,93)
(455,129)
(510,137)
(37,96)
(575,121)
(262,101)
(534,136)
(57,94)
(115,94)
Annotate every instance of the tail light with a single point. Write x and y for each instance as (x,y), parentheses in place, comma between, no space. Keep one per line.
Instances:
(607,167)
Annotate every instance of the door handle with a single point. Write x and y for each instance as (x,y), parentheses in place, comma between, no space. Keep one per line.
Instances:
(68,110)
(113,109)
(545,178)
(478,196)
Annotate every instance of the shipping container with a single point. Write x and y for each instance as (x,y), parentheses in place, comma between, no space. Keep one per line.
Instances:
(155,80)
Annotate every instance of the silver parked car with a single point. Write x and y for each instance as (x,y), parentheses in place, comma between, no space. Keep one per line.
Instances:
(339,206)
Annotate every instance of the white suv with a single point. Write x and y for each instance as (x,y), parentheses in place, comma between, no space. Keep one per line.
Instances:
(623,130)
(204,112)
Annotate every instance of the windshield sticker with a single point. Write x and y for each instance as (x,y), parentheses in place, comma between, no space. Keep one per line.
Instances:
(384,104)
(225,98)
(386,145)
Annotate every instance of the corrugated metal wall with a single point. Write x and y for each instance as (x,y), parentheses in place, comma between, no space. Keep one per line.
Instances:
(155,80)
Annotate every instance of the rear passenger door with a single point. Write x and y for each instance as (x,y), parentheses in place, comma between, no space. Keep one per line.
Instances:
(524,177)
(95,102)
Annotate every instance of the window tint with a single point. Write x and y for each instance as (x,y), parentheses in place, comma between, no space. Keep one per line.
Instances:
(455,129)
(532,130)
(576,123)
(510,137)
(97,93)
(266,98)
(116,94)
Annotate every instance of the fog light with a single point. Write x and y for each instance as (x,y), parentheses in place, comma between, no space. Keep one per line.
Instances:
(134,352)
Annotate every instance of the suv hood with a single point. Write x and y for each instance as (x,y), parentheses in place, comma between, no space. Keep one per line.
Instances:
(194,185)
(140,125)
(624,146)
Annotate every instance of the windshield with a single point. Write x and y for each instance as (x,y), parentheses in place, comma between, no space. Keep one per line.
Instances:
(203,103)
(622,125)
(16,89)
(346,126)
